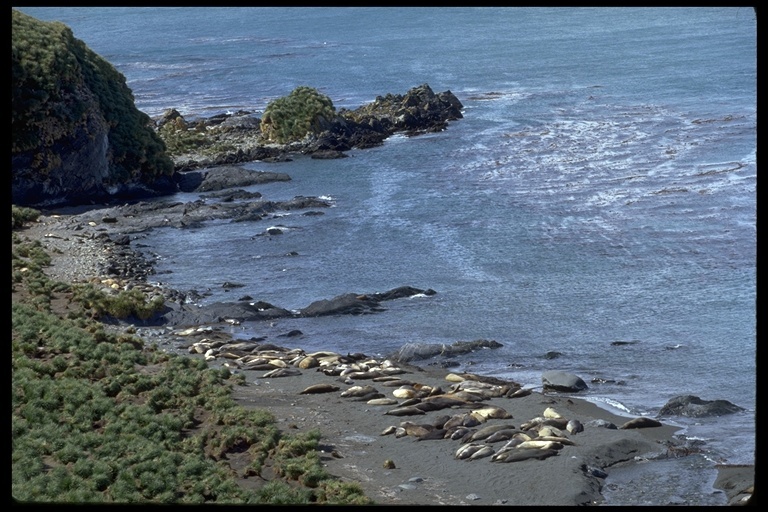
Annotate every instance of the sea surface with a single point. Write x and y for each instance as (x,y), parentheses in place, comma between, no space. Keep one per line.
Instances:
(600,188)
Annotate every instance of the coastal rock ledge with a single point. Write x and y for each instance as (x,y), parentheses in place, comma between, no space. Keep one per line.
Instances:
(236,137)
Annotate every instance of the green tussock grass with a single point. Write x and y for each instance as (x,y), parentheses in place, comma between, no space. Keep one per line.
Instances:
(100,417)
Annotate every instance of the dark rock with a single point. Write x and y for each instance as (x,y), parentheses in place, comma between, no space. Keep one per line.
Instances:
(356,304)
(228,196)
(219,178)
(328,154)
(694,407)
(290,334)
(122,240)
(419,351)
(556,380)
(182,315)
(348,303)
(401,292)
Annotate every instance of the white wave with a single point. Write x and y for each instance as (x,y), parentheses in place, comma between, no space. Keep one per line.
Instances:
(609,404)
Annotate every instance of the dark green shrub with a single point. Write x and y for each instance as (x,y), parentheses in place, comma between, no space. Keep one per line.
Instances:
(336,492)
(99,419)
(123,305)
(280,493)
(21,215)
(291,118)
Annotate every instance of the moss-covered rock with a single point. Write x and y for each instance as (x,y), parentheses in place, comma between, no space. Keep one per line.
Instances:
(76,135)
(290,118)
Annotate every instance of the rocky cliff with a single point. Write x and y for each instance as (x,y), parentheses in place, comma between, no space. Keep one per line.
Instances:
(77,137)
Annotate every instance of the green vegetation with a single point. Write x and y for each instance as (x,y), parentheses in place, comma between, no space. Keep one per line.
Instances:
(180,139)
(99,417)
(125,304)
(21,215)
(59,87)
(291,118)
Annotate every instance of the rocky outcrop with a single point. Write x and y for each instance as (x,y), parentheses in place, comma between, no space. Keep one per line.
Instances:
(357,304)
(419,110)
(226,177)
(694,407)
(76,136)
(237,138)
(244,311)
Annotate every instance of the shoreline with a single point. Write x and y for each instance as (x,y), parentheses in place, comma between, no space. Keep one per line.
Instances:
(352,430)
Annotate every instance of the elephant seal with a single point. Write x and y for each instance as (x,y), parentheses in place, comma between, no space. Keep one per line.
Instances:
(404,392)
(438,433)
(641,422)
(540,445)
(358,391)
(519,393)
(281,372)
(382,401)
(415,429)
(389,430)
(319,388)
(485,451)
(520,454)
(502,435)
(405,411)
(539,421)
(574,426)
(464,420)
(485,432)
(492,412)
(456,432)
(446,401)
(468,450)
(375,395)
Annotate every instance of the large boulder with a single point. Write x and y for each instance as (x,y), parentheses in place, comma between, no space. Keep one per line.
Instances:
(694,407)
(556,380)
(76,135)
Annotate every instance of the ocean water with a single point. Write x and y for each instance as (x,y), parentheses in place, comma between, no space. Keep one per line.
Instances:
(601,187)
